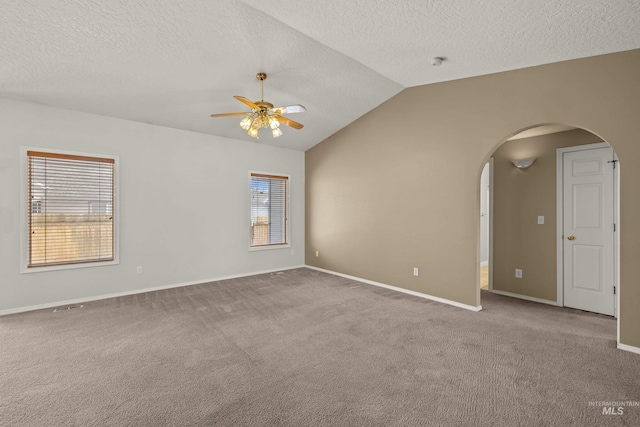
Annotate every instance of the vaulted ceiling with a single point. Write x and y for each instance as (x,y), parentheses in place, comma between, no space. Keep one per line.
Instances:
(173,63)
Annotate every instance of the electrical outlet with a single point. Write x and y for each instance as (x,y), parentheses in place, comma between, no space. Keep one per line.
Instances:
(540,219)
(518,273)
(139,270)
(415,271)
(317,253)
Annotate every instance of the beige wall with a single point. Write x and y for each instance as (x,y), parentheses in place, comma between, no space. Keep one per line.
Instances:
(519,196)
(398,188)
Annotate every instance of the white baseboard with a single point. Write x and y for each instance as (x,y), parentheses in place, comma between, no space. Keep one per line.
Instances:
(406,291)
(524,297)
(134,292)
(484,264)
(630,348)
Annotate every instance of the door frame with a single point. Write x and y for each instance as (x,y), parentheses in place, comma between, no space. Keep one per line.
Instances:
(490,237)
(560,223)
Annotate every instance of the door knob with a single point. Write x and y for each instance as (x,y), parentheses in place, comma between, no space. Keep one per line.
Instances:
(571,237)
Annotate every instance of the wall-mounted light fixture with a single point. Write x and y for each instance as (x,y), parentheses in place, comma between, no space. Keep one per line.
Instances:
(524,163)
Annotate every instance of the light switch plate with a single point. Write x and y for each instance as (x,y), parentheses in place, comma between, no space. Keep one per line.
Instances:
(540,219)
(518,273)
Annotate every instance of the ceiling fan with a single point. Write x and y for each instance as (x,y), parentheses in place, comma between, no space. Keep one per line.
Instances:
(264,115)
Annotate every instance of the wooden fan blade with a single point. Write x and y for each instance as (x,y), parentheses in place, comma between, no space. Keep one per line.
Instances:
(290,109)
(289,122)
(231,114)
(247,101)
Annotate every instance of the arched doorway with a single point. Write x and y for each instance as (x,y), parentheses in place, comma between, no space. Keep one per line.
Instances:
(533,253)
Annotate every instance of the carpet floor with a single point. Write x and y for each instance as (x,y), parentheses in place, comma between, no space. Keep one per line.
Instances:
(304,348)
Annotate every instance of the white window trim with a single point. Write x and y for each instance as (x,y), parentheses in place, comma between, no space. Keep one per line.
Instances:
(24,207)
(248,209)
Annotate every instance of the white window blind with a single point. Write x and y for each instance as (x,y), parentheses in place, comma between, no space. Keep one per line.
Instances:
(269,210)
(70,209)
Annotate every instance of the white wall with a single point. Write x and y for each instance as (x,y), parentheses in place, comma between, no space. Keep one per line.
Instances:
(484,216)
(184,204)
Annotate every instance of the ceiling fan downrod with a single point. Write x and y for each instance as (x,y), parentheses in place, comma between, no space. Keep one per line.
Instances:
(262,77)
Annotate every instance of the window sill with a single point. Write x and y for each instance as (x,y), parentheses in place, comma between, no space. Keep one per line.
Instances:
(268,247)
(27,270)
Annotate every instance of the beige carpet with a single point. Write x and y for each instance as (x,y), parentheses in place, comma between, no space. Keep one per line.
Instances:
(309,349)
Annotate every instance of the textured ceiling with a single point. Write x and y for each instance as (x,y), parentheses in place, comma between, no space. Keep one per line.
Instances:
(173,63)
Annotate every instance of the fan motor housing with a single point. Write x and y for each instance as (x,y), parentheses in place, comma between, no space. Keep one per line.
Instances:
(264,106)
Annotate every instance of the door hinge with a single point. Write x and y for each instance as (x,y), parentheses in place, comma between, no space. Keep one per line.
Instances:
(614,290)
(614,227)
(614,162)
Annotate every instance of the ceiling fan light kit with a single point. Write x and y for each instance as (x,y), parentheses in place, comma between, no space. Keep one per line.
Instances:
(264,115)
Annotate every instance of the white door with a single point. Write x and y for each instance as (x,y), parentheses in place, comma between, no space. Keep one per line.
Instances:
(588,230)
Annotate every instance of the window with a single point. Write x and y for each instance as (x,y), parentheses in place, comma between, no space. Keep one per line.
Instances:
(70,209)
(269,210)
